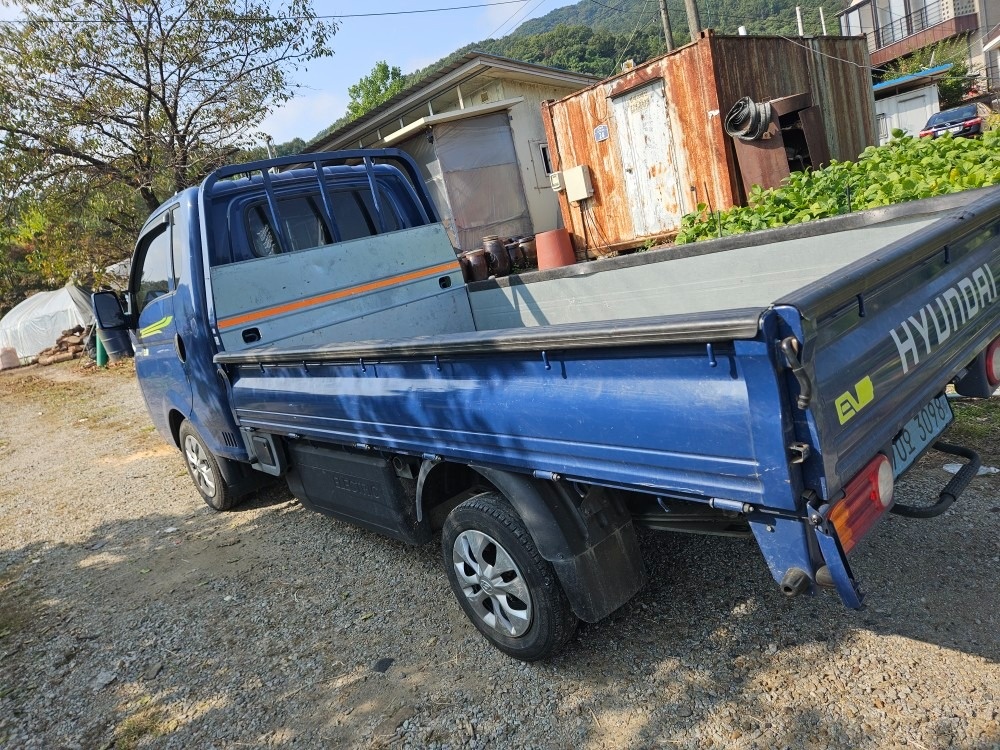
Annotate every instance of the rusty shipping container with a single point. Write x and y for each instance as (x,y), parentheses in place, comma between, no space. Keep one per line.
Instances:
(654,142)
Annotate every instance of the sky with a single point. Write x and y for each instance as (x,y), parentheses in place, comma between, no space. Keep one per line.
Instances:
(411,41)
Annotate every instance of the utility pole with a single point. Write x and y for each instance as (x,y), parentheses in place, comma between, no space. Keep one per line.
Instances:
(694,21)
(667,33)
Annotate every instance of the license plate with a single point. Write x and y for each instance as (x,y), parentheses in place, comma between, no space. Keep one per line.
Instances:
(920,432)
(955,129)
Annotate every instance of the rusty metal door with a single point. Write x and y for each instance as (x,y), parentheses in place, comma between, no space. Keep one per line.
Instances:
(647,148)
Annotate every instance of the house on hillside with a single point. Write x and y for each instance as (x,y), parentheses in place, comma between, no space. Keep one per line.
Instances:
(907,102)
(896,28)
(475,129)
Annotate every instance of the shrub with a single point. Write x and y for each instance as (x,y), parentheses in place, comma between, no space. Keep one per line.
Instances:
(904,169)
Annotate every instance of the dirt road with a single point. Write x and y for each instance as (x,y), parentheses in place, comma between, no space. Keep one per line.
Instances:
(133,616)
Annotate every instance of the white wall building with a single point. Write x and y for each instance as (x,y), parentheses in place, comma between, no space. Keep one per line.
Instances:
(907,102)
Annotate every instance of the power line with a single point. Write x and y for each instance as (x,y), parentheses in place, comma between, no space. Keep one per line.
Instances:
(515,13)
(617,8)
(635,31)
(329,17)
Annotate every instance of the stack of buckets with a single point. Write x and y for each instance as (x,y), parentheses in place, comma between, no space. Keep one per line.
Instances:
(495,258)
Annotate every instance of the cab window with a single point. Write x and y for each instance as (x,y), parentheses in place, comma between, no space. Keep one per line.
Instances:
(156,268)
(302,220)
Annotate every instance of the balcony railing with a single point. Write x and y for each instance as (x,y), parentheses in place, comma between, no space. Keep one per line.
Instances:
(931,15)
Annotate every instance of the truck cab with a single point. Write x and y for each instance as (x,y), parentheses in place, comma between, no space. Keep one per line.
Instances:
(252,213)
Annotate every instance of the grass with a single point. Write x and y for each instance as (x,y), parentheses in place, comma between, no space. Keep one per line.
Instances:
(977,425)
(148,721)
(75,397)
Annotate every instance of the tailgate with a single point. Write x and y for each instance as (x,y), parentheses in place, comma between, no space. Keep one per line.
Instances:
(883,338)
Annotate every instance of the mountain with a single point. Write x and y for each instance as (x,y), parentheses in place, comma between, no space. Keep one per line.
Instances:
(594,36)
(724,16)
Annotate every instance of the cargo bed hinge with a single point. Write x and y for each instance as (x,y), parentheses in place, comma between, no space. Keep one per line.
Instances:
(799,452)
(836,572)
(790,348)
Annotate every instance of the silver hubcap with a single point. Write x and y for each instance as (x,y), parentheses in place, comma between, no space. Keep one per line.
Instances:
(201,470)
(492,583)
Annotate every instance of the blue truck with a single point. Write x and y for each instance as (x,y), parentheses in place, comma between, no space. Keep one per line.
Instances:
(307,318)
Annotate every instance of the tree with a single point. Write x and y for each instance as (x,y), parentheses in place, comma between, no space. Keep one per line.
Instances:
(288,148)
(378,86)
(580,48)
(147,94)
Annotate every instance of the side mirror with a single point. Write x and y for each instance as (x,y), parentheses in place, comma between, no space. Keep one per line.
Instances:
(109,311)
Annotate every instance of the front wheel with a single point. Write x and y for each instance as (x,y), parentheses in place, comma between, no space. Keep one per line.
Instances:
(506,588)
(203,468)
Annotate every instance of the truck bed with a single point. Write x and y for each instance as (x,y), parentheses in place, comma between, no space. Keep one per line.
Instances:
(714,280)
(636,373)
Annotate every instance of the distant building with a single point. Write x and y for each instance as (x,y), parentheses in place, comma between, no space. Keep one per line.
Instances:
(653,145)
(896,28)
(475,129)
(907,102)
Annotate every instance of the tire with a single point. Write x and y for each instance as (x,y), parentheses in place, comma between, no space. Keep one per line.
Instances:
(203,468)
(521,609)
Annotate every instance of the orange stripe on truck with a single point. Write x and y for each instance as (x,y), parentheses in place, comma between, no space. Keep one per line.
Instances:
(320,299)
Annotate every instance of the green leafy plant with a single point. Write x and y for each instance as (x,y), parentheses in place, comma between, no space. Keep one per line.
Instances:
(904,169)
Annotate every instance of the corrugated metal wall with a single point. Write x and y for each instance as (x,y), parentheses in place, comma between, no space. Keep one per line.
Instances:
(700,82)
(835,70)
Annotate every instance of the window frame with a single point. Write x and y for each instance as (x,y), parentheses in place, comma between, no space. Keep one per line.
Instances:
(164,225)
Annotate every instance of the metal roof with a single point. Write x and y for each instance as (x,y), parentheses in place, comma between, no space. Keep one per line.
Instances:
(907,81)
(476,62)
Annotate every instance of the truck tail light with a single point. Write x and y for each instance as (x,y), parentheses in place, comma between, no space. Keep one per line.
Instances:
(993,363)
(866,498)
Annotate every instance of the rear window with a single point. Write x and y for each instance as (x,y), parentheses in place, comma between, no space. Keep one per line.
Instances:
(353,213)
(301,221)
(953,115)
(355,216)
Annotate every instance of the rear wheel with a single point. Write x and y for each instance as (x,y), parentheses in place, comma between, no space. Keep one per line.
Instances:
(506,588)
(203,468)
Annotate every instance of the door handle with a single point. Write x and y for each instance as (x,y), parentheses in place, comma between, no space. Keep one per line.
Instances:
(251,335)
(179,349)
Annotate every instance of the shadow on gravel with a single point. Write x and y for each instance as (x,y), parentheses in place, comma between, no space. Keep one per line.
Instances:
(209,629)
(725,643)
(243,628)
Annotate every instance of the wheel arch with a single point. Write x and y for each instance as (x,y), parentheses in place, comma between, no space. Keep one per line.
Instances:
(174,420)
(585,532)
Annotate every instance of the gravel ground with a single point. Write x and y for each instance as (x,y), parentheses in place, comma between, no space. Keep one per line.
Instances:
(133,616)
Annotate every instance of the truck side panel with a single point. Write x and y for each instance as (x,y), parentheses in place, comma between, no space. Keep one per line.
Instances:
(675,418)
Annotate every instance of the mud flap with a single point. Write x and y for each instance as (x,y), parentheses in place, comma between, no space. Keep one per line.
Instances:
(604,576)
